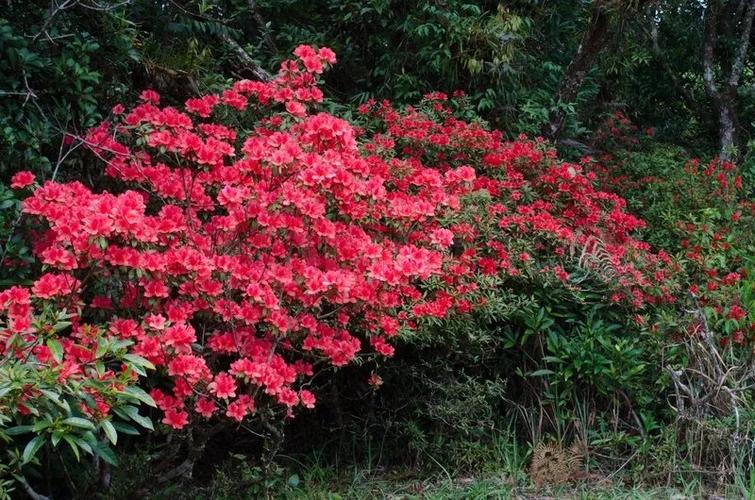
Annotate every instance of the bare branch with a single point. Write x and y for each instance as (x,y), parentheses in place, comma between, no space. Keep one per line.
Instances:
(30,491)
(55,10)
(244,57)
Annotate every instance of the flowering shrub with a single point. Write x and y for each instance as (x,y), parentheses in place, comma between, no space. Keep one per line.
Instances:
(259,240)
(700,213)
(243,257)
(716,242)
(529,217)
(617,131)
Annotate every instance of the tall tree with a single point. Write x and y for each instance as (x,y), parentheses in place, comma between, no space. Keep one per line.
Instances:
(723,66)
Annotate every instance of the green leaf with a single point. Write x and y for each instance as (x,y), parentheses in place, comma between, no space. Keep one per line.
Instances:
(138,393)
(130,367)
(125,428)
(105,452)
(542,372)
(139,361)
(81,443)
(19,429)
(55,398)
(42,425)
(102,347)
(56,349)
(133,414)
(73,445)
(552,359)
(110,431)
(56,437)
(31,449)
(60,325)
(81,423)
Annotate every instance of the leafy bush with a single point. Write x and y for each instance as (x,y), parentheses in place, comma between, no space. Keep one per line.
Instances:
(276,253)
(65,385)
(15,256)
(252,242)
(702,215)
(252,256)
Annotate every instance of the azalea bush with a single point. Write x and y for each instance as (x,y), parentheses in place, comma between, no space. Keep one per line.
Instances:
(63,391)
(247,256)
(556,309)
(251,241)
(529,217)
(702,214)
(717,242)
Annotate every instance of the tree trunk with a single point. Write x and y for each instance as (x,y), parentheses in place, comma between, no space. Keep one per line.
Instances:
(727,129)
(724,95)
(593,41)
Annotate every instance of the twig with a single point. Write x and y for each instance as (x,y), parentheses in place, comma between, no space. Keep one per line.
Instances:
(55,10)
(30,491)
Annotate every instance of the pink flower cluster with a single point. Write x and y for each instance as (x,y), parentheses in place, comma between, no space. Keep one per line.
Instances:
(238,261)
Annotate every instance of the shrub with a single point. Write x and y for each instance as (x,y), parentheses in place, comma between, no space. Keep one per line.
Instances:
(258,241)
(702,214)
(63,382)
(273,256)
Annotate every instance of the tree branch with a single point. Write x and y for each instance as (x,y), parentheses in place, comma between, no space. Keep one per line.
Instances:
(593,41)
(266,37)
(744,43)
(30,491)
(709,45)
(247,61)
(55,10)
(687,97)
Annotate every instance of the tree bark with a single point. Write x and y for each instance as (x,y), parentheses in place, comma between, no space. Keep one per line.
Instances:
(593,41)
(245,60)
(724,94)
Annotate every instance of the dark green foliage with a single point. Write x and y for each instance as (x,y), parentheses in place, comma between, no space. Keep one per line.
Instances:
(15,256)
(508,59)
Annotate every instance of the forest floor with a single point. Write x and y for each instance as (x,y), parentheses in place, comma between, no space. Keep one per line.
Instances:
(494,487)
(323,483)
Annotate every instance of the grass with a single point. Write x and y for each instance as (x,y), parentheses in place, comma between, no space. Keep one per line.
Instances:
(500,473)
(404,485)
(310,479)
